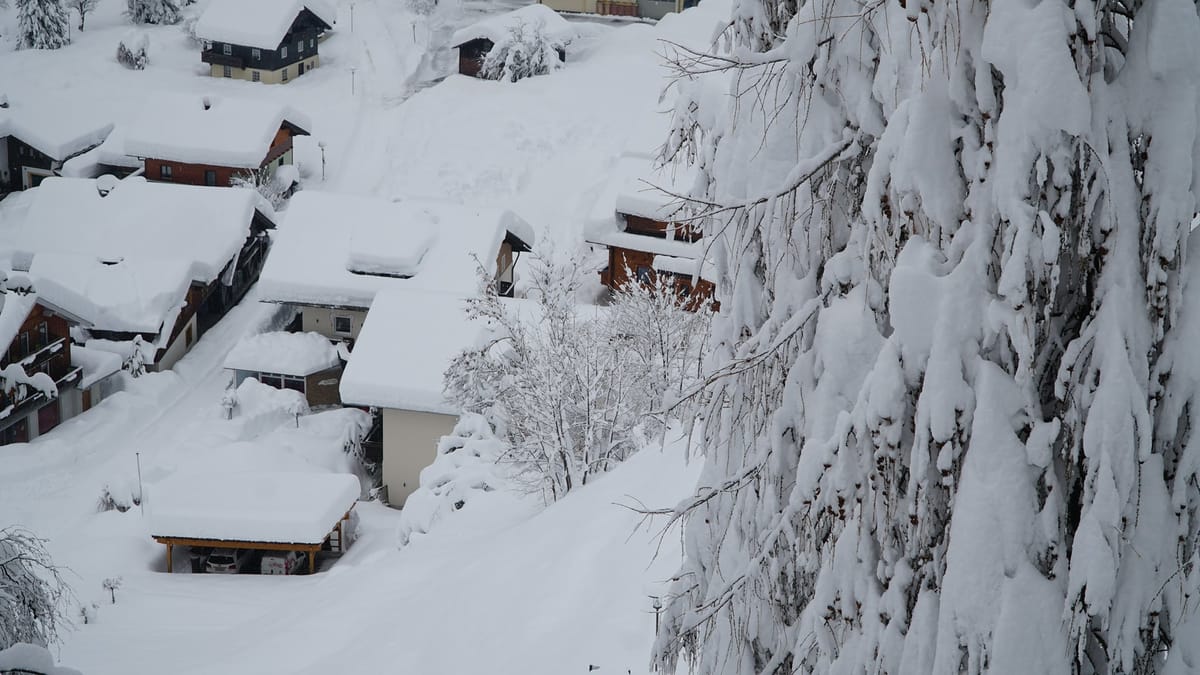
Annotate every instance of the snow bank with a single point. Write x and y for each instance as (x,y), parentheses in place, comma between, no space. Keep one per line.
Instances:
(285,353)
(312,260)
(16,303)
(96,364)
(219,130)
(294,508)
(261,23)
(26,658)
(497,28)
(406,344)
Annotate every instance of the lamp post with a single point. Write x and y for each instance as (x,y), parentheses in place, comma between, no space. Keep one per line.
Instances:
(321,145)
(352,81)
(352,17)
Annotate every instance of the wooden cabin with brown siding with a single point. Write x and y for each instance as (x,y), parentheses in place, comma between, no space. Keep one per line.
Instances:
(476,41)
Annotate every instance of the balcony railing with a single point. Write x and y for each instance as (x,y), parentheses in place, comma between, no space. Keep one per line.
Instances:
(616,8)
(217,58)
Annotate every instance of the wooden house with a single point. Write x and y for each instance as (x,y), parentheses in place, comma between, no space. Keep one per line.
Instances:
(207,140)
(271,41)
(644,9)
(35,141)
(645,234)
(148,267)
(337,251)
(307,363)
(44,378)
(475,41)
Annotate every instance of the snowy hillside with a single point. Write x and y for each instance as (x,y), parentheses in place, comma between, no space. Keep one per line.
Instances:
(503,585)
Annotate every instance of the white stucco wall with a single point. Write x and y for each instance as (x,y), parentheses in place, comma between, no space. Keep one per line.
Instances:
(409,445)
(320,320)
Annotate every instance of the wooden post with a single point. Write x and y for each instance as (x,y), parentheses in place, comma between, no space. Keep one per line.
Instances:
(341,537)
(170,557)
(312,560)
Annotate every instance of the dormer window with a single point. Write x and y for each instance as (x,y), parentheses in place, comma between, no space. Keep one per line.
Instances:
(227,49)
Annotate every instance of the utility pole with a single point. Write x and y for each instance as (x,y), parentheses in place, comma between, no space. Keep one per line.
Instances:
(321,144)
(352,80)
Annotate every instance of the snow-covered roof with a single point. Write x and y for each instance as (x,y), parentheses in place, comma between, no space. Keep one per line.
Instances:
(256,23)
(97,364)
(339,250)
(297,354)
(279,507)
(123,262)
(632,189)
(497,27)
(687,267)
(404,348)
(109,153)
(218,130)
(16,303)
(57,130)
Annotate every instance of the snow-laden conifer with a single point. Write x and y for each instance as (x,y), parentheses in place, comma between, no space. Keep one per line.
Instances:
(153,11)
(42,24)
(950,425)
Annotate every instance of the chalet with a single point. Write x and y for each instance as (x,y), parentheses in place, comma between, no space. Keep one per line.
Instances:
(639,223)
(207,140)
(147,267)
(475,41)
(645,9)
(44,379)
(303,362)
(272,41)
(406,344)
(337,251)
(36,141)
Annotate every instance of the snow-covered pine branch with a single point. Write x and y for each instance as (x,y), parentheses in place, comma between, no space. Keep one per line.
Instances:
(42,24)
(952,401)
(153,11)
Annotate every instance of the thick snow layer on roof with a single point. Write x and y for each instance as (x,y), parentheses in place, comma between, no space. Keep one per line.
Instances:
(297,354)
(109,153)
(219,130)
(292,508)
(134,296)
(57,130)
(685,266)
(381,248)
(404,348)
(96,364)
(636,187)
(15,307)
(256,23)
(496,28)
(312,258)
(124,261)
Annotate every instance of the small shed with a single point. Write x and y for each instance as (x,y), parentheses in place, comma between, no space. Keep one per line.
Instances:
(261,511)
(475,41)
(303,362)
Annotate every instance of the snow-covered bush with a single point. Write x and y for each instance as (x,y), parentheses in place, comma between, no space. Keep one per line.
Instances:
(189,30)
(42,24)
(34,598)
(115,500)
(465,468)
(562,389)
(526,51)
(153,11)
(132,50)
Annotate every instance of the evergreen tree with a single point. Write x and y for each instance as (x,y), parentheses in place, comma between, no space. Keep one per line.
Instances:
(42,24)
(950,424)
(153,11)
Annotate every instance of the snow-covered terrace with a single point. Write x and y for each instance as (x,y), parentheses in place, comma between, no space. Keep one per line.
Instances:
(406,344)
(219,130)
(123,262)
(339,250)
(497,28)
(261,23)
(56,129)
(298,354)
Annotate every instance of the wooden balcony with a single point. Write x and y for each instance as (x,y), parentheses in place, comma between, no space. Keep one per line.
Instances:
(219,59)
(616,8)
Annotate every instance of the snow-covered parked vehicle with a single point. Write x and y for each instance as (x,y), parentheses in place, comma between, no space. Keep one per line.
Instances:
(283,562)
(227,560)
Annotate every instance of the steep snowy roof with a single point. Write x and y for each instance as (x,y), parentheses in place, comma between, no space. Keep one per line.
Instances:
(16,303)
(633,189)
(256,23)
(339,250)
(404,348)
(123,261)
(57,130)
(292,508)
(497,28)
(217,130)
(297,354)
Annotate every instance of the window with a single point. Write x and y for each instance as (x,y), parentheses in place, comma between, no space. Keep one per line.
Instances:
(300,47)
(255,76)
(24,344)
(227,49)
(164,171)
(188,336)
(271,380)
(285,77)
(210,176)
(342,325)
(645,275)
(227,72)
(312,43)
(293,383)
(283,51)
(43,333)
(256,54)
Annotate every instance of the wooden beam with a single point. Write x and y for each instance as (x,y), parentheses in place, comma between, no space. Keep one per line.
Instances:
(170,557)
(220,543)
(312,561)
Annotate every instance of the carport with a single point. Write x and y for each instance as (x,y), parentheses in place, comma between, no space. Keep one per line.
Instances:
(263,511)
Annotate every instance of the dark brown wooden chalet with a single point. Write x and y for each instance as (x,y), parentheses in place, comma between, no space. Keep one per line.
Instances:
(36,142)
(475,42)
(270,41)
